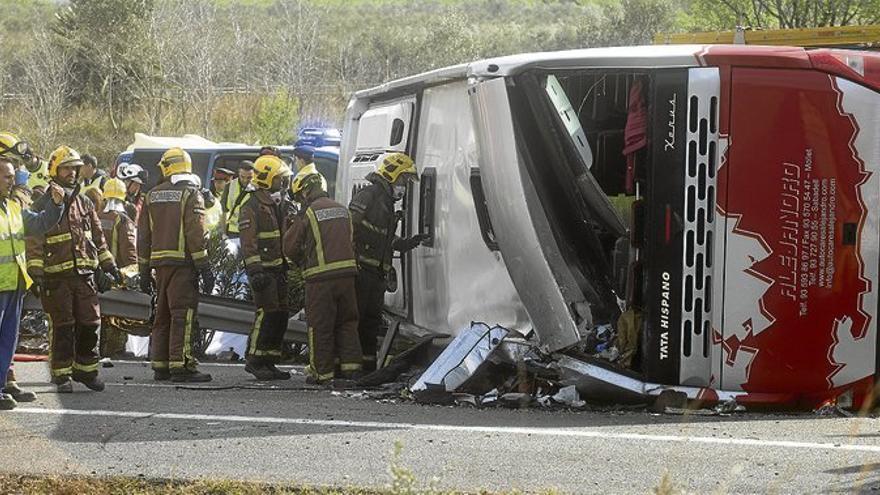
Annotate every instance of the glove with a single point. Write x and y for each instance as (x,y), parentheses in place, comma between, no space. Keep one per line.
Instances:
(146,282)
(115,274)
(207,279)
(103,282)
(414,241)
(37,287)
(259,281)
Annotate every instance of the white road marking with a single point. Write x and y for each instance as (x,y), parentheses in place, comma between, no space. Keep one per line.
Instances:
(507,430)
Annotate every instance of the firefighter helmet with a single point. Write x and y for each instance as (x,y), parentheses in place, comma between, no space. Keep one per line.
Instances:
(175,161)
(131,171)
(63,156)
(307,176)
(114,189)
(13,147)
(266,168)
(39,177)
(396,166)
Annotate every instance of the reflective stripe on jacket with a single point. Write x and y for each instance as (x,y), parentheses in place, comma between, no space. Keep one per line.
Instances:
(12,247)
(75,246)
(260,223)
(234,198)
(171,230)
(120,232)
(375,224)
(320,241)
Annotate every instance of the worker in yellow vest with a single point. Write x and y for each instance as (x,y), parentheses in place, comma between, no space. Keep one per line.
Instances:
(15,223)
(234,196)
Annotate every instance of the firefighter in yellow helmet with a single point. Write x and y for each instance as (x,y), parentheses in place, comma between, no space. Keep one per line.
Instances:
(319,239)
(119,229)
(69,264)
(16,222)
(260,226)
(172,243)
(375,240)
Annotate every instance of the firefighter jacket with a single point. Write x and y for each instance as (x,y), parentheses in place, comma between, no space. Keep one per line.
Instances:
(320,241)
(15,224)
(75,246)
(134,203)
(171,230)
(260,226)
(121,236)
(375,224)
(234,196)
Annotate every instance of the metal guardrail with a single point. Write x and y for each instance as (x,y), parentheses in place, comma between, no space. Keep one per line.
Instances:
(216,313)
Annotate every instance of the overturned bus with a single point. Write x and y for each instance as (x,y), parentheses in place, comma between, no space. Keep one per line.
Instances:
(725,198)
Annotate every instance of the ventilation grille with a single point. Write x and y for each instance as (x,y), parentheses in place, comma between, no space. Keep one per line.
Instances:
(699,224)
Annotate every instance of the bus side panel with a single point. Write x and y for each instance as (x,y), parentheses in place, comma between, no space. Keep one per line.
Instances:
(458,279)
(801,204)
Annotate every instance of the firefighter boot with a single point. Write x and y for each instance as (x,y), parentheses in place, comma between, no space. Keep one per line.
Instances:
(90,381)
(161,375)
(278,374)
(64,385)
(260,370)
(187,375)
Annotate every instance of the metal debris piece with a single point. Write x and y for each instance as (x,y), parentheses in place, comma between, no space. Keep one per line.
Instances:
(569,396)
(462,358)
(106,362)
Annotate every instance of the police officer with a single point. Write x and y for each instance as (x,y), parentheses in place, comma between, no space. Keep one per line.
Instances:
(319,239)
(260,225)
(171,241)
(64,263)
(14,279)
(234,196)
(375,240)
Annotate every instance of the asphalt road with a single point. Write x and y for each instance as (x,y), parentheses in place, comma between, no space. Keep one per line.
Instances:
(236,428)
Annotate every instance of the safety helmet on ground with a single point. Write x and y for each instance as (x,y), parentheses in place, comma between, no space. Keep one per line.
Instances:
(266,168)
(306,177)
(14,147)
(131,171)
(114,189)
(63,156)
(175,161)
(397,166)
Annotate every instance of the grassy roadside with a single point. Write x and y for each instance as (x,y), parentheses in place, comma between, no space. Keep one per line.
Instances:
(82,485)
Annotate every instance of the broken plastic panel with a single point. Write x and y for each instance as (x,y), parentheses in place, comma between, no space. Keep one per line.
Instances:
(462,358)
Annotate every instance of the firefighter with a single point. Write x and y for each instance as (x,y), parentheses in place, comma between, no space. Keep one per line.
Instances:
(260,225)
(133,176)
(14,280)
(234,195)
(64,264)
(172,241)
(319,239)
(119,230)
(375,240)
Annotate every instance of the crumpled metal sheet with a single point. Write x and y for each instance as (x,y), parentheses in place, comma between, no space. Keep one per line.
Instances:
(462,358)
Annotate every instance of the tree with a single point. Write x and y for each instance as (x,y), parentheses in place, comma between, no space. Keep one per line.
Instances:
(787,14)
(48,84)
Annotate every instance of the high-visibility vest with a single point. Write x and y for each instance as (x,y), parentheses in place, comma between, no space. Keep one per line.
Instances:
(212,217)
(233,206)
(12,247)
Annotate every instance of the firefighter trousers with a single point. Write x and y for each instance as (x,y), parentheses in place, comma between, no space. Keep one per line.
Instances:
(71,306)
(176,321)
(370,300)
(270,321)
(331,312)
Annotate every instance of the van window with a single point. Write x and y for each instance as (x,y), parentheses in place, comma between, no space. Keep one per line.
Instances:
(396,132)
(427,194)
